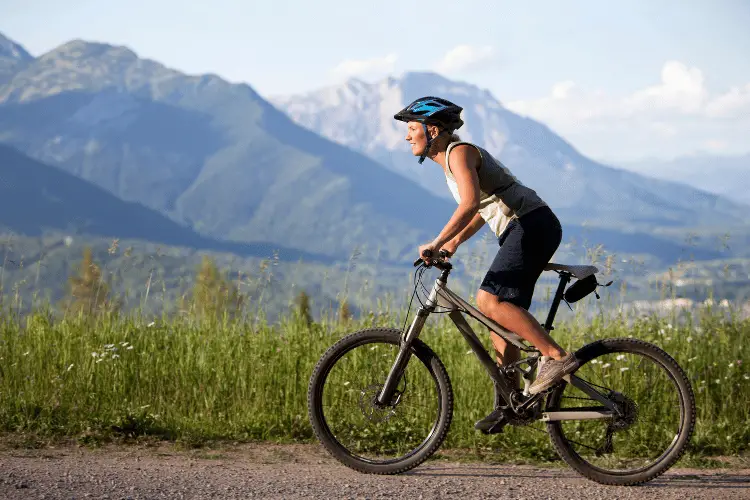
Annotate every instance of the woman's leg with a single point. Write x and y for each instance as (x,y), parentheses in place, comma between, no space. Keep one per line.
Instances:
(519,321)
(526,246)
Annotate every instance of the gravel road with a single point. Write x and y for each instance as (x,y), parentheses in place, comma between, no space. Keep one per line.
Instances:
(305,471)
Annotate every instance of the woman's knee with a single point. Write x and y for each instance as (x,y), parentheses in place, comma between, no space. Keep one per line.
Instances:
(485,301)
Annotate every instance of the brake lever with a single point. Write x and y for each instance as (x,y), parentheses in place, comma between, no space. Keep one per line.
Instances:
(443,254)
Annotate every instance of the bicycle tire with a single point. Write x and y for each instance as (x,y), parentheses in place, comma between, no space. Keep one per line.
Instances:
(324,434)
(687,414)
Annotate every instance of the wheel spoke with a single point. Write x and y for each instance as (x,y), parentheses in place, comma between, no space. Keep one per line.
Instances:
(652,395)
(346,415)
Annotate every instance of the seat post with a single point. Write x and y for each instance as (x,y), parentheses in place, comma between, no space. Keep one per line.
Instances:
(564,280)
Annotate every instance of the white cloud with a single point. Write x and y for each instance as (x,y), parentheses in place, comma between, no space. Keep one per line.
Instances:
(562,89)
(465,58)
(733,104)
(376,66)
(664,129)
(681,88)
(715,145)
(678,115)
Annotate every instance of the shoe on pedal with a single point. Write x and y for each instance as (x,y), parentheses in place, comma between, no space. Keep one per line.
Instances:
(492,423)
(552,371)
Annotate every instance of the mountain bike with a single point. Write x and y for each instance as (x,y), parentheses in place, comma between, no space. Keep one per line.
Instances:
(380,400)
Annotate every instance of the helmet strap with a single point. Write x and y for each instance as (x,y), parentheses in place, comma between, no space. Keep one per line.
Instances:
(429,143)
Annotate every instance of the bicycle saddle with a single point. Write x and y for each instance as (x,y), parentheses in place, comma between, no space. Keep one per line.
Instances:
(579,272)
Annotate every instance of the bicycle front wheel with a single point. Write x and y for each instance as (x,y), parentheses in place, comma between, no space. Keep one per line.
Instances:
(366,436)
(656,417)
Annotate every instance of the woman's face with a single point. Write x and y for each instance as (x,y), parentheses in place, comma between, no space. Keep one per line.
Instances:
(416,137)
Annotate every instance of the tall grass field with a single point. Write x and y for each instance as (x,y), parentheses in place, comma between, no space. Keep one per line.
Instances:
(194,381)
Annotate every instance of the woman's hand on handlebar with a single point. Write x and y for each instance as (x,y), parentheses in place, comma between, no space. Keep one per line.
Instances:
(427,253)
(449,249)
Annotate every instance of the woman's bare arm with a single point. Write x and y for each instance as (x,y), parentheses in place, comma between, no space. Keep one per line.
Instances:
(463,167)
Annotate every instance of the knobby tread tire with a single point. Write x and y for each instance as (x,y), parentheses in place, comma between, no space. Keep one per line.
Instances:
(597,348)
(430,361)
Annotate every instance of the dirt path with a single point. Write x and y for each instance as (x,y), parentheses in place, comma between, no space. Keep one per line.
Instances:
(302,471)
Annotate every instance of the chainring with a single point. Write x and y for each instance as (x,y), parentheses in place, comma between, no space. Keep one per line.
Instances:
(527,417)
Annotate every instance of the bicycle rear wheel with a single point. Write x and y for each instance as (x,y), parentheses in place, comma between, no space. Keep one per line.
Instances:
(363,435)
(657,420)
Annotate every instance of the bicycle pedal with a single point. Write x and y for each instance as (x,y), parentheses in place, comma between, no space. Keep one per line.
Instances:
(497,428)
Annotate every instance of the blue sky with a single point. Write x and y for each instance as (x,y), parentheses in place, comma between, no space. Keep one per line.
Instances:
(674,76)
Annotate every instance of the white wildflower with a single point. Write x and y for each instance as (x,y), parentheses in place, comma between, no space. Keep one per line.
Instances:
(606,365)
(94,354)
(26,353)
(718,380)
(151,324)
(661,331)
(115,356)
(346,383)
(669,326)
(731,365)
(620,357)
(689,339)
(100,360)
(129,347)
(469,351)
(108,346)
(624,369)
(70,367)
(746,376)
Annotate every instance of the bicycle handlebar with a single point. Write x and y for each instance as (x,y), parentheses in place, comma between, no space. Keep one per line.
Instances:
(440,263)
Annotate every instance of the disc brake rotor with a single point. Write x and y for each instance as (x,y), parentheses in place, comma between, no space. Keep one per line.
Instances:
(371,410)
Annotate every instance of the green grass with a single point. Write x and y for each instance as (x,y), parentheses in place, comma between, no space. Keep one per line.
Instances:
(194,382)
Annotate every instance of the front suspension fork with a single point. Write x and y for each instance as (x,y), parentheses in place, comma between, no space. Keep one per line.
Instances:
(399,366)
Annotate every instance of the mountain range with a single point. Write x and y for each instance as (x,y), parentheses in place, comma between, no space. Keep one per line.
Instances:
(209,154)
(36,199)
(326,174)
(360,116)
(13,57)
(727,176)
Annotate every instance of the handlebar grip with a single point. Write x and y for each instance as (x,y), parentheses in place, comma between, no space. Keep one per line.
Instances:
(417,262)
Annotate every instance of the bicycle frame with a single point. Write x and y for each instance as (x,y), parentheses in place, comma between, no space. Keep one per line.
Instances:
(505,395)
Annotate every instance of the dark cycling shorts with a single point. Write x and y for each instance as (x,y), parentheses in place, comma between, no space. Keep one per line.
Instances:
(526,247)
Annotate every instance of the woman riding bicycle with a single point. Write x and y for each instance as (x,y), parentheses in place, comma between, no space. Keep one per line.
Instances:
(528,233)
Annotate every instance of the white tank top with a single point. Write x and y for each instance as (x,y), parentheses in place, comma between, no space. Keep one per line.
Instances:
(502,197)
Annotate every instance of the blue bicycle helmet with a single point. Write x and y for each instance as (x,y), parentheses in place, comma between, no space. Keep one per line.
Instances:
(433,111)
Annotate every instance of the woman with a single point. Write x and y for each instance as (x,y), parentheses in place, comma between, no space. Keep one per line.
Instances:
(528,233)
